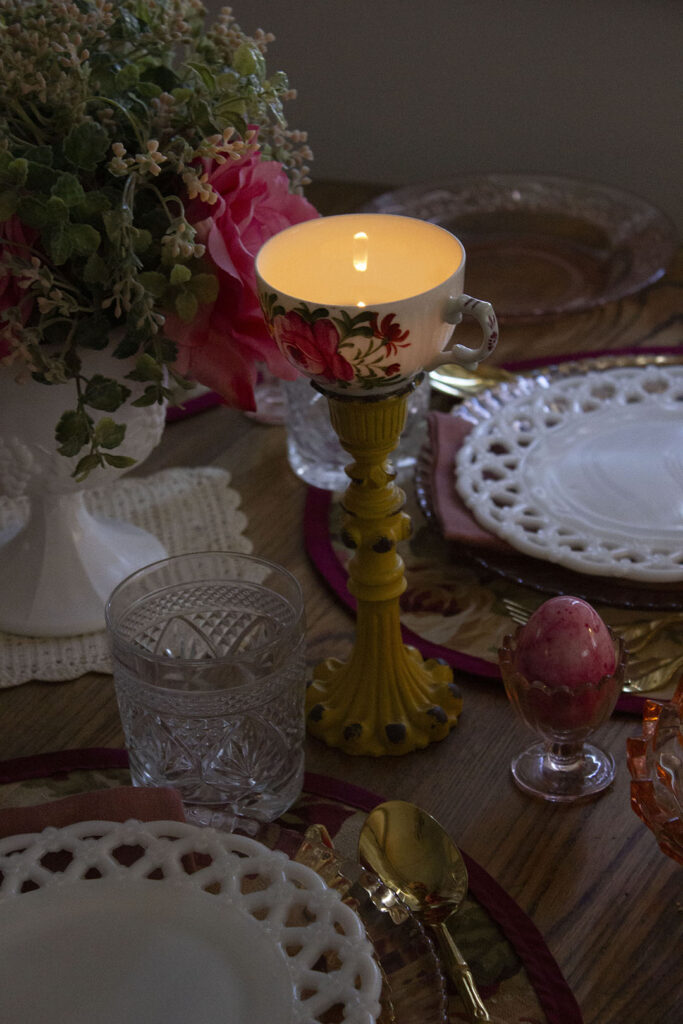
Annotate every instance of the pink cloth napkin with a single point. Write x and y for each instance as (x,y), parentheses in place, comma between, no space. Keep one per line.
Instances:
(119,804)
(446,434)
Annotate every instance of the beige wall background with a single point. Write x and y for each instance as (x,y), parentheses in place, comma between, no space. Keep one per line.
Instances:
(402,92)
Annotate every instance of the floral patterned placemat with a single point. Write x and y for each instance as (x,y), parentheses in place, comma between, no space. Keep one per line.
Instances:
(516,974)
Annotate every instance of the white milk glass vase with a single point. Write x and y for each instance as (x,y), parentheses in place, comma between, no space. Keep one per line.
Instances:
(59,562)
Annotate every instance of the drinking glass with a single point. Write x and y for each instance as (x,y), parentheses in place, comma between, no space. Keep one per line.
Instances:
(209,672)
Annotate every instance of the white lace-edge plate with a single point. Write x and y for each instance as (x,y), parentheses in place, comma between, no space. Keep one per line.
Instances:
(241,940)
(585,471)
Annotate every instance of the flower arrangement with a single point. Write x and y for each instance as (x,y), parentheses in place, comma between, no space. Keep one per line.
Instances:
(144,159)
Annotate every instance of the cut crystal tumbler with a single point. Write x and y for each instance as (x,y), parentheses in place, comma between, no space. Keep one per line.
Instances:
(209,670)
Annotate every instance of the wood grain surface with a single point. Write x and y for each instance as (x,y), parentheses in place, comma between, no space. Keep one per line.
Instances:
(592,878)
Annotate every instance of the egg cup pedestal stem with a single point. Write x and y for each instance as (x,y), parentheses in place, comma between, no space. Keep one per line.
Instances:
(563,773)
(385,699)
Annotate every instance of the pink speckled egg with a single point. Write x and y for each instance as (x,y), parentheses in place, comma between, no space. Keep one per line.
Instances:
(565,643)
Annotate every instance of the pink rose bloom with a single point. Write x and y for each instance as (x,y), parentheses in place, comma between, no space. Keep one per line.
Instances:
(313,347)
(222,346)
(16,239)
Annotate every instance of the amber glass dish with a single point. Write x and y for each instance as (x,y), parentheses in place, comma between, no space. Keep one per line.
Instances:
(655,760)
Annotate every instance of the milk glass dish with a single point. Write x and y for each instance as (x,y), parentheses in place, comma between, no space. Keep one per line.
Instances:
(209,670)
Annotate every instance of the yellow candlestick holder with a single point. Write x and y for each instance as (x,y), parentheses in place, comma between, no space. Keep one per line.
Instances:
(385,699)
(363,304)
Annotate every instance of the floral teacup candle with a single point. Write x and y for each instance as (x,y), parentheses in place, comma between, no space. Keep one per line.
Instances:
(360,302)
(363,304)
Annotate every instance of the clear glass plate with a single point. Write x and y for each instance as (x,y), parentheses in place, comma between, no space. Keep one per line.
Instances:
(540,245)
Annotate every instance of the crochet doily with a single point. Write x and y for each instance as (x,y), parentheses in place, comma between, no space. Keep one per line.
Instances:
(187,509)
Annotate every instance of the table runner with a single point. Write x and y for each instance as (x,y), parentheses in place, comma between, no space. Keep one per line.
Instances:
(450,610)
(517,975)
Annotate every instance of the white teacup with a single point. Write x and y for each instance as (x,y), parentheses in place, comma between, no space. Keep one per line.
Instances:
(365,301)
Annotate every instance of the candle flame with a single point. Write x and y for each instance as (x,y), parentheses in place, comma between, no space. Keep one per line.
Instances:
(360,250)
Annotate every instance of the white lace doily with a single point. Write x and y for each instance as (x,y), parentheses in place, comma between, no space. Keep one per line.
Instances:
(187,509)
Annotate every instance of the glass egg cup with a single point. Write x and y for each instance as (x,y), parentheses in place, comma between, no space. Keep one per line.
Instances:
(562,767)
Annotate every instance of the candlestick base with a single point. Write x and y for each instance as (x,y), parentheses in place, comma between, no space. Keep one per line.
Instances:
(385,699)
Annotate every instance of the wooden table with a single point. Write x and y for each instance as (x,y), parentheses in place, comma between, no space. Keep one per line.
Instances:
(591,877)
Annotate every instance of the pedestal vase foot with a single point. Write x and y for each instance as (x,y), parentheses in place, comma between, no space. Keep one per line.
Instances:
(61,566)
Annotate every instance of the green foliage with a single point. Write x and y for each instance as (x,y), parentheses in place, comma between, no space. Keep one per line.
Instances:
(204,287)
(95,270)
(180,274)
(69,189)
(92,331)
(104,393)
(86,145)
(119,461)
(248,60)
(186,306)
(153,394)
(109,434)
(73,431)
(146,368)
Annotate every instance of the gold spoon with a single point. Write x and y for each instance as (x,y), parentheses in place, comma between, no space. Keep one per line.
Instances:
(410,852)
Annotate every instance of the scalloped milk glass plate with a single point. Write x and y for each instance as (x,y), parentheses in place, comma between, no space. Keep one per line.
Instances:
(585,471)
(539,245)
(114,928)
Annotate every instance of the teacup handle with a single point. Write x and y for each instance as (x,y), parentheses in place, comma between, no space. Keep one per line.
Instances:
(468,357)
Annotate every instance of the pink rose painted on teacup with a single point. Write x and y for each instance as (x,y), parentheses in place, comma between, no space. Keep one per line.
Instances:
(312,347)
(344,349)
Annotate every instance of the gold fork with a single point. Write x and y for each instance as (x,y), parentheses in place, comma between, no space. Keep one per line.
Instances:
(643,675)
(652,673)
